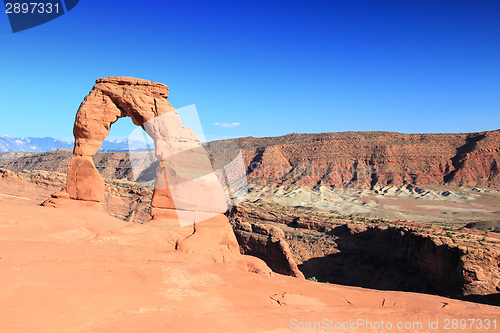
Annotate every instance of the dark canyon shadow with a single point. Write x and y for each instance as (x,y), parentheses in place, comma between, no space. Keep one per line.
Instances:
(388,258)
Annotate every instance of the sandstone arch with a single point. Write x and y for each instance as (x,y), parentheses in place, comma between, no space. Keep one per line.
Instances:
(184,181)
(186,188)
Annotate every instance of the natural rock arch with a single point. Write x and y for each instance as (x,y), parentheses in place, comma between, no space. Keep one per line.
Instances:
(184,181)
(186,189)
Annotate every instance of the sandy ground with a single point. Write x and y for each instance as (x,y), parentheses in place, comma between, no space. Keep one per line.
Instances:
(77,269)
(454,206)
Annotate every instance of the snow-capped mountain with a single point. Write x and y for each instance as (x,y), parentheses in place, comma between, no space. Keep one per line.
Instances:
(9,143)
(114,145)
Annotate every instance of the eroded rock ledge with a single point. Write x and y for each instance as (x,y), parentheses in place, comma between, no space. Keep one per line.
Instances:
(379,254)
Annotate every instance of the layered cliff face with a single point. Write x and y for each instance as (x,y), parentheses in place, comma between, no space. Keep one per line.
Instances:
(374,158)
(268,243)
(375,253)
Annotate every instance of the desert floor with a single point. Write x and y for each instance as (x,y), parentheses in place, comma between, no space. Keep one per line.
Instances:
(76,269)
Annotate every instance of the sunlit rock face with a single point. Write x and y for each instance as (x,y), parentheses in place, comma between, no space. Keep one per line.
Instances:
(186,187)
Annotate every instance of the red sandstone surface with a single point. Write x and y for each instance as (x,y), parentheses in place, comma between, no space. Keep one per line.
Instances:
(81,270)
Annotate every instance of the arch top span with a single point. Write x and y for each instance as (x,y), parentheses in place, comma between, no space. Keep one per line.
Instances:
(112,98)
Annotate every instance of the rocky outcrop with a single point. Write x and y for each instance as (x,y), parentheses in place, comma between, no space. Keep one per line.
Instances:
(268,243)
(186,188)
(376,253)
(8,174)
(403,258)
(493,226)
(84,181)
(110,99)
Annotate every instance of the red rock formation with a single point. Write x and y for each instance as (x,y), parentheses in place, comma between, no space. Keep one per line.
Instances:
(353,158)
(110,99)
(268,243)
(84,181)
(185,185)
(186,191)
(374,158)
(392,255)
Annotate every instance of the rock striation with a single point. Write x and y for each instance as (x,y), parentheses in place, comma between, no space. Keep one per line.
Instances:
(350,159)
(366,159)
(268,243)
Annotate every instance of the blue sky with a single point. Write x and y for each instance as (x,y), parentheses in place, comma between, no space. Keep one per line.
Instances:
(267,67)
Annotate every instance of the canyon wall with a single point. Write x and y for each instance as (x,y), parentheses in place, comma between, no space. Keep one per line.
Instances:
(376,253)
(374,158)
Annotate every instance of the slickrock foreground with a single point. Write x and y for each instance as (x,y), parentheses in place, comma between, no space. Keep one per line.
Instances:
(81,270)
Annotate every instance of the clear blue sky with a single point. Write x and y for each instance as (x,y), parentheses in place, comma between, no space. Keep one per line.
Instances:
(273,67)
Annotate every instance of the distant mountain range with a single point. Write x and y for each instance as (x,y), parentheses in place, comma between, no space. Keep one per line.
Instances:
(9,143)
(354,160)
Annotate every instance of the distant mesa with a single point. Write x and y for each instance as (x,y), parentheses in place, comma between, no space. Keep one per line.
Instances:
(366,160)
(363,160)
